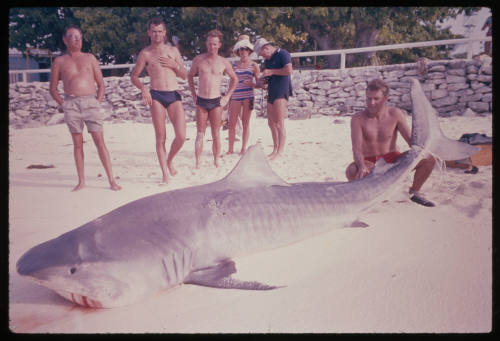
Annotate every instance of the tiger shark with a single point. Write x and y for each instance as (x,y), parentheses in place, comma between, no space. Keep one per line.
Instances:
(191,235)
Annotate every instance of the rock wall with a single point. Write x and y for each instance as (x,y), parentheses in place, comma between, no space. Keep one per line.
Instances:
(453,87)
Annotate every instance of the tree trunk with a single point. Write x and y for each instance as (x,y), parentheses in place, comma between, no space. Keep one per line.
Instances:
(365,36)
(325,43)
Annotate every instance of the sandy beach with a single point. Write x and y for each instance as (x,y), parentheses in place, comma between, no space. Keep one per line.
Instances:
(412,269)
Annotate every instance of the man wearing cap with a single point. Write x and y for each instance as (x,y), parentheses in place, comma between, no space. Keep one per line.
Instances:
(210,68)
(278,63)
(243,97)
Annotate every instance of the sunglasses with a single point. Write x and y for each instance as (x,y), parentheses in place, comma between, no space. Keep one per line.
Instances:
(74,37)
(244,49)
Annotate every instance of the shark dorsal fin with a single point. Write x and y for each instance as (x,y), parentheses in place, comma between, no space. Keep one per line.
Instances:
(253,170)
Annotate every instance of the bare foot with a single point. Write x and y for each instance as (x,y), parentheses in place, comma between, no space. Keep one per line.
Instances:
(171,169)
(275,156)
(78,187)
(216,162)
(243,151)
(229,152)
(272,155)
(115,186)
(165,179)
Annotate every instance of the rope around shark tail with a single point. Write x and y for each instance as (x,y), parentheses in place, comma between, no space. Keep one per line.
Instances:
(440,162)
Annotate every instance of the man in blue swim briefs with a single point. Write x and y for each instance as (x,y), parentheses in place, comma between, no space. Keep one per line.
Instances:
(163,63)
(278,63)
(374,133)
(210,67)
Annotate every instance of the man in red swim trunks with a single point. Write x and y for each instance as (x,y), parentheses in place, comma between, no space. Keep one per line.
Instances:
(374,132)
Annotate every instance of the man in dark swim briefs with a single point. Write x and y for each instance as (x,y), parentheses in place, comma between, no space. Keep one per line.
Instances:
(374,132)
(210,67)
(165,97)
(163,63)
(208,104)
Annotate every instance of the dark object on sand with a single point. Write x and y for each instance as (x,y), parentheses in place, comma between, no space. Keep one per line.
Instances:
(40,166)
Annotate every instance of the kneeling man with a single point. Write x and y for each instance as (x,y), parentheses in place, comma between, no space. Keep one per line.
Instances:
(374,132)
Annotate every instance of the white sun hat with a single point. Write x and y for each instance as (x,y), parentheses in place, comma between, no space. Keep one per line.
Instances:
(242,43)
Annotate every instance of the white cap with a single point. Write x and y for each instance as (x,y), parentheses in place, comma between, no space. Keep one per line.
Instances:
(260,43)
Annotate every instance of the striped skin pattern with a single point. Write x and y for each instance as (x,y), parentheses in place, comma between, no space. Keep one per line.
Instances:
(190,235)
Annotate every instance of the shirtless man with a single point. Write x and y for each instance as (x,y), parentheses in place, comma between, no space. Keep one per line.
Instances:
(163,63)
(374,133)
(210,68)
(80,72)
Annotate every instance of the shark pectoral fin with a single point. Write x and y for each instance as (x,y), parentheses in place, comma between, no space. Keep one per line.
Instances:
(219,276)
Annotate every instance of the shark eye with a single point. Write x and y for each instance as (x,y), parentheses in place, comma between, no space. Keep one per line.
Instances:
(72,270)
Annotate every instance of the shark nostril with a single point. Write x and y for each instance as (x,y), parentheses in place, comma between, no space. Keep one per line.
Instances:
(72,270)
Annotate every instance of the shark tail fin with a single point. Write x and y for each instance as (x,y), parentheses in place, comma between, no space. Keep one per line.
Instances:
(426,132)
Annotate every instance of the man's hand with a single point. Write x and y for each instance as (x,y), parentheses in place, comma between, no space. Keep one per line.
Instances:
(146,97)
(224,100)
(168,62)
(363,171)
(267,73)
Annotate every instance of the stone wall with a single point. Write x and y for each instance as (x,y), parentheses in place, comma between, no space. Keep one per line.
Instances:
(453,86)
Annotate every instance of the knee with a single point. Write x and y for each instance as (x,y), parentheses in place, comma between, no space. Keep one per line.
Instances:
(200,135)
(161,138)
(350,171)
(429,162)
(78,143)
(232,121)
(181,137)
(98,140)
(215,133)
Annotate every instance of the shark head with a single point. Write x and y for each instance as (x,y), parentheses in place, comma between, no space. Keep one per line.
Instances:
(77,269)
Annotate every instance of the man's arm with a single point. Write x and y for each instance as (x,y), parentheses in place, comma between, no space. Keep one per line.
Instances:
(256,74)
(357,147)
(284,71)
(233,81)
(190,77)
(98,78)
(175,64)
(55,73)
(134,78)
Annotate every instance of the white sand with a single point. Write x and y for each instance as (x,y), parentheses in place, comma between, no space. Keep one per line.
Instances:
(414,269)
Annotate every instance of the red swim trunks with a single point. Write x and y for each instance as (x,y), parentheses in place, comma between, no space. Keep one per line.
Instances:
(391,157)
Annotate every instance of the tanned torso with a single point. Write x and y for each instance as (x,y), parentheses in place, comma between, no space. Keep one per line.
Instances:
(77,73)
(210,70)
(162,78)
(379,133)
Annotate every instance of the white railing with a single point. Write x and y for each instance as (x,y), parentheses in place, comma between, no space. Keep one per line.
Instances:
(13,74)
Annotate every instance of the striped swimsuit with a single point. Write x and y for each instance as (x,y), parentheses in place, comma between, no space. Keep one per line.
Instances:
(243,92)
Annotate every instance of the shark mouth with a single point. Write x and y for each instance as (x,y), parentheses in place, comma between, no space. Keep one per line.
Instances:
(80,300)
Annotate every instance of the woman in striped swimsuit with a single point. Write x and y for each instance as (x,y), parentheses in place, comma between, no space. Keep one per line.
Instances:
(242,97)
